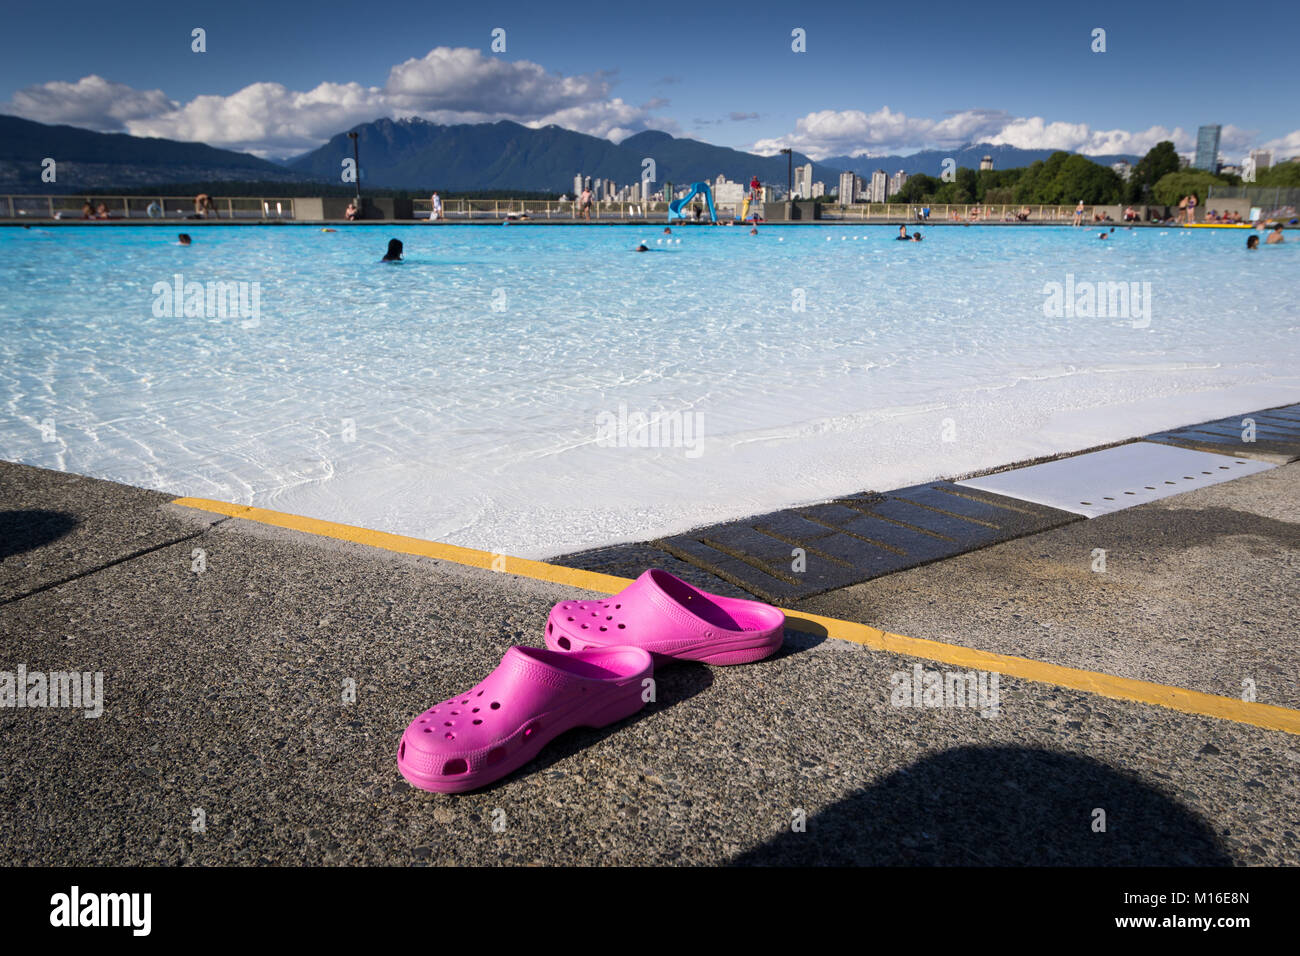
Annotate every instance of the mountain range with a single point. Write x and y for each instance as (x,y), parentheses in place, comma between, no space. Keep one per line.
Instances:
(415,154)
(418,155)
(86,160)
(930,161)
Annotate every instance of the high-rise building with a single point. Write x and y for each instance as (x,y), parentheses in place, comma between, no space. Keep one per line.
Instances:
(986,163)
(896,182)
(879,185)
(577,185)
(1263,158)
(803,181)
(819,189)
(1207,148)
(848,188)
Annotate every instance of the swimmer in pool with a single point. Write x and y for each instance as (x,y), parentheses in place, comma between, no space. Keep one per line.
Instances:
(902,235)
(667,231)
(1275,236)
(917,237)
(1252,242)
(184,239)
(394,253)
(642,248)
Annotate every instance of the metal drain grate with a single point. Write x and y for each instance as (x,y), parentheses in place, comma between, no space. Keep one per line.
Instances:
(1100,482)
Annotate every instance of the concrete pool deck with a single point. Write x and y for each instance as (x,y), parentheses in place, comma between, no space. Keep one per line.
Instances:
(229,644)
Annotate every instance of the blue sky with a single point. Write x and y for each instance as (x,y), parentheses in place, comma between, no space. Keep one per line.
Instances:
(877,78)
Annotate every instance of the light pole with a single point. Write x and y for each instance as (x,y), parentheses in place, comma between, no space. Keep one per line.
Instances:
(789,172)
(356,161)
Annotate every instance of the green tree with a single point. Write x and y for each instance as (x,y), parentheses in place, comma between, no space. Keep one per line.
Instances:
(918,188)
(1160,160)
(1285,175)
(1174,186)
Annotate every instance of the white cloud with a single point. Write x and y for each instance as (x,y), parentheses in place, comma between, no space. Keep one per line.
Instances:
(856,133)
(92,103)
(447,85)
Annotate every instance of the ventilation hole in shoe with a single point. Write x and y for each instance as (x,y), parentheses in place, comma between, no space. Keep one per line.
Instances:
(617,606)
(449,735)
(448,723)
(570,619)
(455,767)
(428,730)
(495,755)
(477,722)
(563,642)
(455,713)
(585,626)
(604,628)
(401,751)
(496,705)
(465,701)
(549,627)
(609,617)
(474,711)
(594,614)
(621,626)
(479,694)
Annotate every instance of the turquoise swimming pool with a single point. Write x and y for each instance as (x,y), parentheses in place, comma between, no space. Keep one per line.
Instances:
(474,393)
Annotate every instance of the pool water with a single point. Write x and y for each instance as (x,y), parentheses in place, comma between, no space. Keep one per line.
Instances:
(466,394)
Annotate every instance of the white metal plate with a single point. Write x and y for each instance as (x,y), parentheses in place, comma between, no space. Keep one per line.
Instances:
(1100,482)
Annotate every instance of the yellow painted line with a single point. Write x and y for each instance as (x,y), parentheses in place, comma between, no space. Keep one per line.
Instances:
(471,557)
(1268,716)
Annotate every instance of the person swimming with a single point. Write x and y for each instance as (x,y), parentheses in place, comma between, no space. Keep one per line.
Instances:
(1252,242)
(642,247)
(917,237)
(184,239)
(902,235)
(667,231)
(394,253)
(1275,236)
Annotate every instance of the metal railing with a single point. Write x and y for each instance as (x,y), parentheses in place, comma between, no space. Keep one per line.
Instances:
(139,207)
(602,211)
(249,208)
(964,212)
(1257,195)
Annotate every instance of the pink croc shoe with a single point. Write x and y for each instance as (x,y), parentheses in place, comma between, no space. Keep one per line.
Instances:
(533,696)
(671,619)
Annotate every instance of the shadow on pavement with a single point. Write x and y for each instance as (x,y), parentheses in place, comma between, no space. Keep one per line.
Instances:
(999,806)
(22,531)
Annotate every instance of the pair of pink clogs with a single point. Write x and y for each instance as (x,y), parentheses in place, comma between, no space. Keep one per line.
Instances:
(595,673)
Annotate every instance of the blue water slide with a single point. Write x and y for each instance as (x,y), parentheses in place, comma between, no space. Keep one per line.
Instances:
(677,208)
